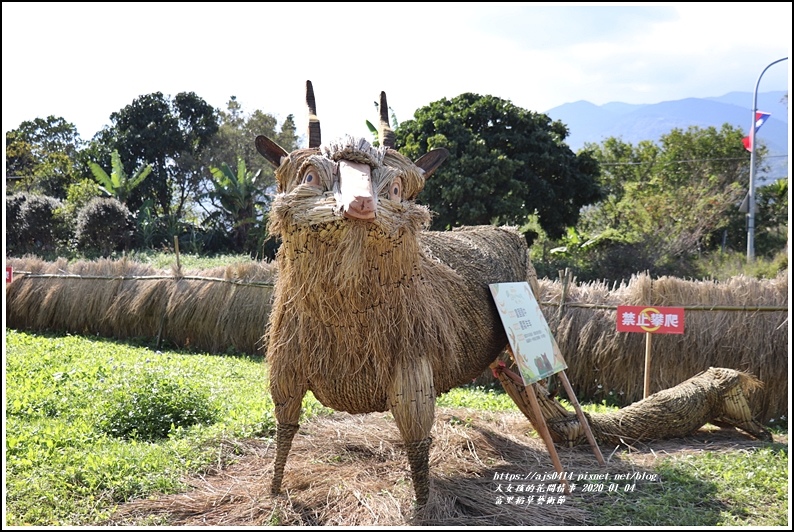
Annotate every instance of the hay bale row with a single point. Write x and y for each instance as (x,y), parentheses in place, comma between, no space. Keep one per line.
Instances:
(602,361)
(217,316)
(182,308)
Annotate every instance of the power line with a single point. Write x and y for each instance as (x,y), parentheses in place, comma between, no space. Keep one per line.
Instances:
(689,161)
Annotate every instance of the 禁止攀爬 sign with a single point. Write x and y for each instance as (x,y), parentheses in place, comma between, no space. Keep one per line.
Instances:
(659,320)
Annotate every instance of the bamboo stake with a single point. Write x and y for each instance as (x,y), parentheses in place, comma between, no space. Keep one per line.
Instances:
(582,419)
(647,387)
(176,251)
(565,279)
(514,386)
(546,435)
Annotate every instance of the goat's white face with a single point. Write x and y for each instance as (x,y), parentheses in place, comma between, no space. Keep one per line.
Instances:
(353,171)
(355,190)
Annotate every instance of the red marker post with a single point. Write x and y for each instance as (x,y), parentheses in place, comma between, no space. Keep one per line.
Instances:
(650,320)
(9,274)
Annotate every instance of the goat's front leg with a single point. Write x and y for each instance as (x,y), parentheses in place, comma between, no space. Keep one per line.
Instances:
(287,393)
(412,401)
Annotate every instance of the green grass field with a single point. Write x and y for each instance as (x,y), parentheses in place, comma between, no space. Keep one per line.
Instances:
(91,423)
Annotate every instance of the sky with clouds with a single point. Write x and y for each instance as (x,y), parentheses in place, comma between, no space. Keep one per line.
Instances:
(84,61)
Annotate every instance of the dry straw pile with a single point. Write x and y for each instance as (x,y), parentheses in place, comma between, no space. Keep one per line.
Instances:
(213,310)
(350,470)
(740,324)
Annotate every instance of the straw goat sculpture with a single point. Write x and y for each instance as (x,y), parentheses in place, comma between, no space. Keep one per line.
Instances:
(371,311)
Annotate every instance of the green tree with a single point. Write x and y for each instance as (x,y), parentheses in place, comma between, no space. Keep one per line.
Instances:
(666,203)
(14,224)
(771,219)
(118,184)
(103,225)
(505,164)
(38,227)
(44,152)
(77,195)
(20,161)
(233,142)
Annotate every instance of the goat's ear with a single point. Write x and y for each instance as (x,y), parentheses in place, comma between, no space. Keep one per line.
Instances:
(430,161)
(270,150)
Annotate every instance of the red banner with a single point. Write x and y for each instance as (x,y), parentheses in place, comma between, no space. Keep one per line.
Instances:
(659,320)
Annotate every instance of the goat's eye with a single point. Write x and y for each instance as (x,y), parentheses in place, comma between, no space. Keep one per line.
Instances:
(311,177)
(396,190)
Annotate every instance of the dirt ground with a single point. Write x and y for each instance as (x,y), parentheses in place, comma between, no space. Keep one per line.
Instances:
(346,470)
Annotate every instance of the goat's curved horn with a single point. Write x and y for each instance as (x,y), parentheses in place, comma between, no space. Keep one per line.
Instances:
(387,137)
(314,122)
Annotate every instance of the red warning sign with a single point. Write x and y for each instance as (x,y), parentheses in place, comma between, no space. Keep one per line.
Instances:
(659,320)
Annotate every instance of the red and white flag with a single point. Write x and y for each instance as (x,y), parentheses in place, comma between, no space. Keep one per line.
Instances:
(760,118)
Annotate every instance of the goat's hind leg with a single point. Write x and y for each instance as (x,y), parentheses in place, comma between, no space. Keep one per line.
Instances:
(412,401)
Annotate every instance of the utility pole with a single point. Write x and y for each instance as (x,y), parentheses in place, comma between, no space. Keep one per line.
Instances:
(751,194)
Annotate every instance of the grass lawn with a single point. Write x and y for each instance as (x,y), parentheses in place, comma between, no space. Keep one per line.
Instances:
(92,423)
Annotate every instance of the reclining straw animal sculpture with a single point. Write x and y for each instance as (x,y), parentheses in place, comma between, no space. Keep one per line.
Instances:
(371,311)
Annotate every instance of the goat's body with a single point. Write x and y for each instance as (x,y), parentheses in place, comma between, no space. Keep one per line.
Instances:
(344,340)
(394,332)
(480,255)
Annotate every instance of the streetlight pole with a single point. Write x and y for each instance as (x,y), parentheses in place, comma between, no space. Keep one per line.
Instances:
(751,195)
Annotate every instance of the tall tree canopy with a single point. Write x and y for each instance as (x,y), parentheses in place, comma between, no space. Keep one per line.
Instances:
(169,134)
(505,164)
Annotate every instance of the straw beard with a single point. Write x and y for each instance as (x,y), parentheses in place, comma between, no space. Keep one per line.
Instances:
(355,299)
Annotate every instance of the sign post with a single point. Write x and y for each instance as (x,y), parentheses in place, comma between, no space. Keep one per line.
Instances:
(536,353)
(650,320)
(646,383)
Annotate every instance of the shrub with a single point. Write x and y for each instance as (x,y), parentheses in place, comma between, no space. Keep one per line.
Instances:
(13,221)
(149,406)
(77,196)
(104,225)
(34,225)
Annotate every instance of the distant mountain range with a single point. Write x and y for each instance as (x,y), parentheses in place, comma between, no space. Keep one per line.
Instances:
(632,123)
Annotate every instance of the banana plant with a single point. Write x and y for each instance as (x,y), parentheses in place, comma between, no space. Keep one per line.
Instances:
(118,184)
(236,194)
